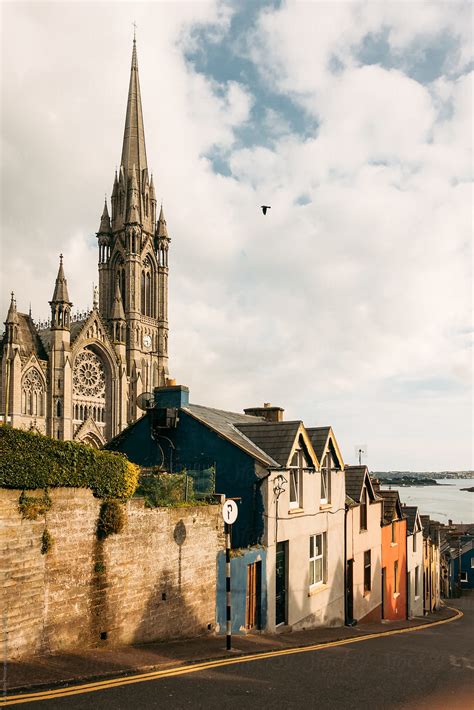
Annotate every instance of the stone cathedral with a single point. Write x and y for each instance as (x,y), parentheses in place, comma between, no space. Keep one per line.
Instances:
(78,376)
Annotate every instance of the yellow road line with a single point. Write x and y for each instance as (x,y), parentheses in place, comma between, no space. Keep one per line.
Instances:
(208,665)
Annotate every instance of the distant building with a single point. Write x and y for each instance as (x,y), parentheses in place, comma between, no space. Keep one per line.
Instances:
(363,547)
(431,564)
(78,376)
(414,560)
(394,557)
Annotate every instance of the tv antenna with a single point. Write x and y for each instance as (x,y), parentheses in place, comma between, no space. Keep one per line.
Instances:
(361,451)
(145,400)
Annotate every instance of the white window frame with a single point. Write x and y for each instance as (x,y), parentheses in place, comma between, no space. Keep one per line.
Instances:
(326,480)
(472,562)
(296,479)
(463,577)
(314,558)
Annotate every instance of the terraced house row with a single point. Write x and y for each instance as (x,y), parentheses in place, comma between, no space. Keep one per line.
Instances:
(317,542)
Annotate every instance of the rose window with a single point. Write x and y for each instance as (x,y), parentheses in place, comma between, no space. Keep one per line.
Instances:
(88,378)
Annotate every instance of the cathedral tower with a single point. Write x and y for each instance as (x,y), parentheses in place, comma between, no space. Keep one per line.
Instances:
(133,259)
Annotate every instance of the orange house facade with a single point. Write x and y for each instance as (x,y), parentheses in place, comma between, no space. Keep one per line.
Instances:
(394,557)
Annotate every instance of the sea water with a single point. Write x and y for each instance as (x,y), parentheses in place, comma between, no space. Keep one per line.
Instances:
(444,501)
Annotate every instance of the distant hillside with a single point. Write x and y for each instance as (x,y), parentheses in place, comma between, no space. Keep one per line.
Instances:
(422,474)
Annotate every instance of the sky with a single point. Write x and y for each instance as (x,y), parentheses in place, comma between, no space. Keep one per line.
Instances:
(349,303)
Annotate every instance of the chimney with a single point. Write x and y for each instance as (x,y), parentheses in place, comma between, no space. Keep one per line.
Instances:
(271,414)
(172,395)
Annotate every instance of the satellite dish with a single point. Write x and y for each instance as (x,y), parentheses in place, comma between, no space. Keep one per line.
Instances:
(145,400)
(361,451)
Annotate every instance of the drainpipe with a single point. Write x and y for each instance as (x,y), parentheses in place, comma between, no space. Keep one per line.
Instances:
(345,566)
(407,580)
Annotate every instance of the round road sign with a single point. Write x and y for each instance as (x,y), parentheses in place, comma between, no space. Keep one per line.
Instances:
(230,511)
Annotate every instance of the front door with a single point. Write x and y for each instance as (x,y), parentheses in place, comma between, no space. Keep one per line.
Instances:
(281,602)
(252,605)
(350,590)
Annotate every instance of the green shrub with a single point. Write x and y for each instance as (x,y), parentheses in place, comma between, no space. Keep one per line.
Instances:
(32,506)
(29,460)
(111,519)
(46,542)
(165,489)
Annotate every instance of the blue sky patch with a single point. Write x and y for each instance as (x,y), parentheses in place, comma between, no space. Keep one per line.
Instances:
(223,62)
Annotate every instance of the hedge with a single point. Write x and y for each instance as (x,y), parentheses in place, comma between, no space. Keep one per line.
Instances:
(29,460)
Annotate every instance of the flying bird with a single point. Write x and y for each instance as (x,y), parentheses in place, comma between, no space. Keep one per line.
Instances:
(265,208)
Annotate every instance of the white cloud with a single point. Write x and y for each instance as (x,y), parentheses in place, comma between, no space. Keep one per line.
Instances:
(352,292)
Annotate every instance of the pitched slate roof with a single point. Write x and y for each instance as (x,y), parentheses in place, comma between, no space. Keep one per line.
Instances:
(390,502)
(276,438)
(354,476)
(409,512)
(319,436)
(228,424)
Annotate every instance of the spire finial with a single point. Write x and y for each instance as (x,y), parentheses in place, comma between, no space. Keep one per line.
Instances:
(61,259)
(134,31)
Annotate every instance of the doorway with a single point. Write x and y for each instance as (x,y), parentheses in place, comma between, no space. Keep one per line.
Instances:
(350,591)
(253,596)
(281,579)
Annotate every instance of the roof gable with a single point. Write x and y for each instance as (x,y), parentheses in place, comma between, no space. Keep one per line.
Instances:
(323,440)
(356,478)
(279,439)
(392,509)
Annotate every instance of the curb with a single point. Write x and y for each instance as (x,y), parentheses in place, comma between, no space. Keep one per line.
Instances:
(76,686)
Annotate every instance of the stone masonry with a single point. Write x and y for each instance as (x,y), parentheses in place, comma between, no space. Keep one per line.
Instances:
(154,580)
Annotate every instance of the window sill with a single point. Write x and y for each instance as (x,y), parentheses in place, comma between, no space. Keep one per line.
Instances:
(396,595)
(393,544)
(315,589)
(361,530)
(417,597)
(367,593)
(325,506)
(295,511)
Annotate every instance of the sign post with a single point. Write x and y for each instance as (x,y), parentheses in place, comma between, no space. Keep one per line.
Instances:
(229,513)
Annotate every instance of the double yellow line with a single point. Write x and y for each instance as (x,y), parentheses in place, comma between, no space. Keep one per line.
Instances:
(208,665)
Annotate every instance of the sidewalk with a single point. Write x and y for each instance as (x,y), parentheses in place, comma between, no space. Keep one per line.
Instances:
(93,664)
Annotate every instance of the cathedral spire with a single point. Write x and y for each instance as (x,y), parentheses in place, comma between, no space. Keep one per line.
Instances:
(60,294)
(161,228)
(104,227)
(12,315)
(133,150)
(60,303)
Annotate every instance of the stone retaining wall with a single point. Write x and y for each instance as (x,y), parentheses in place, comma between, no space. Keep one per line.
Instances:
(154,580)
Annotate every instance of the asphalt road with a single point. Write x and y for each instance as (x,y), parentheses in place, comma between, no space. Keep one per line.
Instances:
(429,669)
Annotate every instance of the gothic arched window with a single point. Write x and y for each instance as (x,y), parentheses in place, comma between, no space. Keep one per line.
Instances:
(32,393)
(148,289)
(88,381)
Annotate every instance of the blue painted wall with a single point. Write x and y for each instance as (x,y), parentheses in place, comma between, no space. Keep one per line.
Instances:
(191,442)
(466,558)
(238,566)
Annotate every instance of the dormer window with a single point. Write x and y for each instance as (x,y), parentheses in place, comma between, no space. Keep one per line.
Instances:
(326,479)
(363,509)
(298,463)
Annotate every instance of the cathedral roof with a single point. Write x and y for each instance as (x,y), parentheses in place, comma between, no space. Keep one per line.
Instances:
(133,149)
(28,338)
